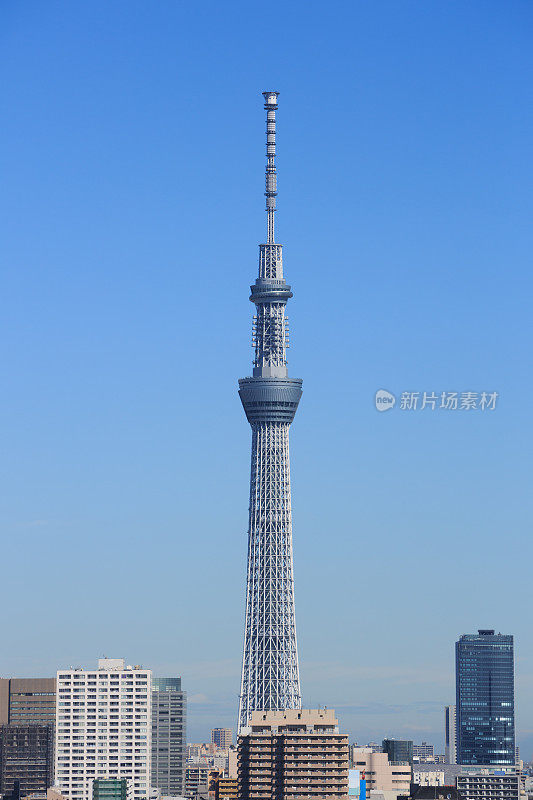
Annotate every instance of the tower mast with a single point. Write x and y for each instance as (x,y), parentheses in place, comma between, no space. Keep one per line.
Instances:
(270,677)
(271,178)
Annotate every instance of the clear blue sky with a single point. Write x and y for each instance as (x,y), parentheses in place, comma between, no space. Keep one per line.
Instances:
(132,157)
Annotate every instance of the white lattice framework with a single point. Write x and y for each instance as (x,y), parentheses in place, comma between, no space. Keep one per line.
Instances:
(270,665)
(270,678)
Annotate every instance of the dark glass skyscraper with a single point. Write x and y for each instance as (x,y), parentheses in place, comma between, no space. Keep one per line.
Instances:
(484,672)
(398,749)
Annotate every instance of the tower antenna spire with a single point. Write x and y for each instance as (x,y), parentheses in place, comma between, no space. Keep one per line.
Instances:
(271,188)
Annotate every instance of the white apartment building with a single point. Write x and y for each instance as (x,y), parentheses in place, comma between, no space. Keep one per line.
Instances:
(103,728)
(489,783)
(428,777)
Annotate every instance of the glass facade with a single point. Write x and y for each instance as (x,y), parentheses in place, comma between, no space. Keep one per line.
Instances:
(110,789)
(484,670)
(26,755)
(398,749)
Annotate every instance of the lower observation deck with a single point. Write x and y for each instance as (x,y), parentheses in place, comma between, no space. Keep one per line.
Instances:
(270,399)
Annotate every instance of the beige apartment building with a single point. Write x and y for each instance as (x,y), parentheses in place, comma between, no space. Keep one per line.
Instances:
(391,778)
(285,755)
(226,788)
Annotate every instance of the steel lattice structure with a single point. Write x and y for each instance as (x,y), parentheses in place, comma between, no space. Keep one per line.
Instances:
(270,679)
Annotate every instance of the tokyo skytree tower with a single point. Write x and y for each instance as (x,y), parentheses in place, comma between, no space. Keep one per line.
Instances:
(270,679)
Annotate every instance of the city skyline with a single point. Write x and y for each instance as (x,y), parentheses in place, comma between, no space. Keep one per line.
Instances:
(131,210)
(360,735)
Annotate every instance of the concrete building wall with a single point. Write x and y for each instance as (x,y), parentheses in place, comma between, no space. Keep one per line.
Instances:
(486,783)
(222,737)
(27,701)
(292,754)
(427,778)
(103,728)
(169,715)
(382,775)
(450,735)
(232,764)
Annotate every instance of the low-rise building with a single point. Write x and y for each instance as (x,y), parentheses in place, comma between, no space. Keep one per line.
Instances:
(53,793)
(110,789)
(423,774)
(381,774)
(433,793)
(423,752)
(226,788)
(196,775)
(398,749)
(489,783)
(424,777)
(222,737)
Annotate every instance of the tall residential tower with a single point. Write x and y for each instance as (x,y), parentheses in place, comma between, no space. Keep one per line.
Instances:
(169,715)
(270,679)
(103,728)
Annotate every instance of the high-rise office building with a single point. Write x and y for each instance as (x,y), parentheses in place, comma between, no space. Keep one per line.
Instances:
(27,701)
(399,750)
(168,735)
(222,737)
(27,756)
(270,678)
(423,752)
(450,735)
(485,699)
(103,728)
(285,755)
